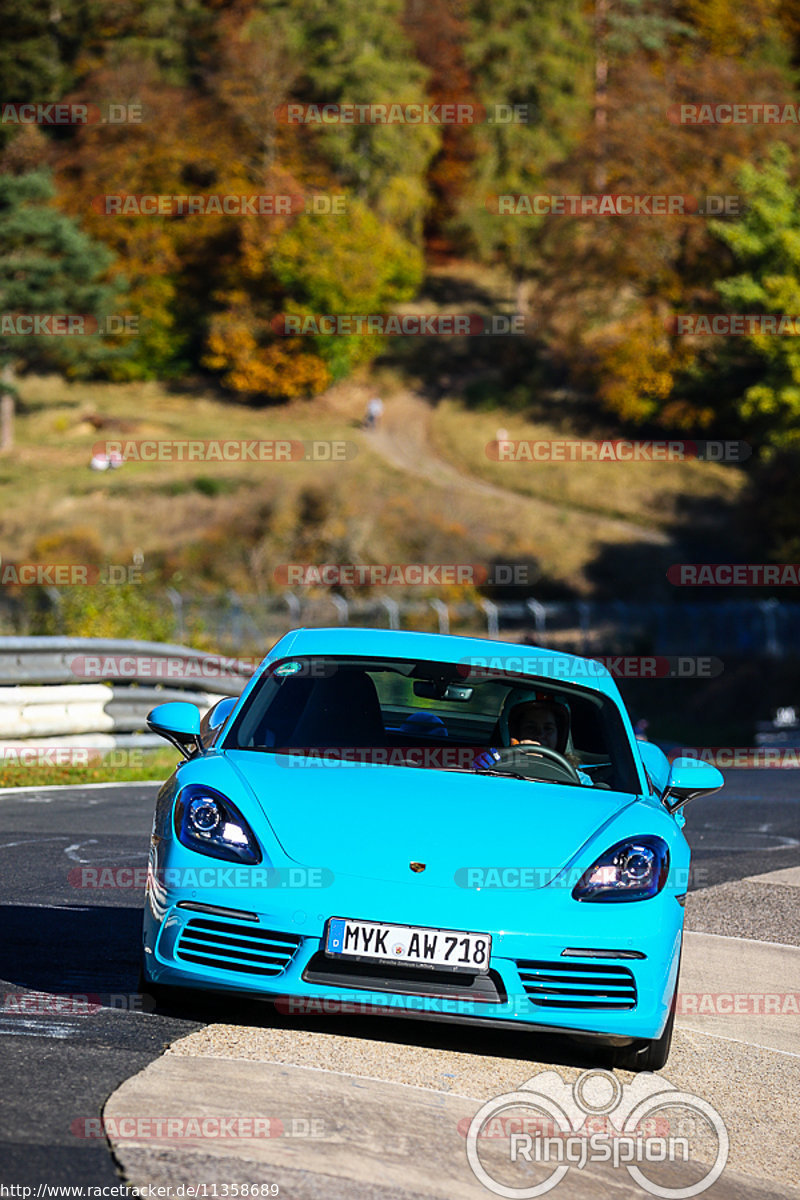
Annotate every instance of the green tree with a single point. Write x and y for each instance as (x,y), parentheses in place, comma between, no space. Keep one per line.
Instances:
(178,38)
(38,43)
(538,57)
(352,52)
(356,264)
(765,244)
(48,266)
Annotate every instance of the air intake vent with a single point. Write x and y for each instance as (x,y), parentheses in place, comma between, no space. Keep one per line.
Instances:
(407,981)
(578,985)
(233,947)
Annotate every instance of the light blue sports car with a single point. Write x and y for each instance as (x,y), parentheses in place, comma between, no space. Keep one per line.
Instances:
(425,825)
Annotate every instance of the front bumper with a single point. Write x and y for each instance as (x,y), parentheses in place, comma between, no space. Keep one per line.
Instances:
(277,956)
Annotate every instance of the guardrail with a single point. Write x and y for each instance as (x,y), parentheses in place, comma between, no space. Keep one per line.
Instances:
(46,697)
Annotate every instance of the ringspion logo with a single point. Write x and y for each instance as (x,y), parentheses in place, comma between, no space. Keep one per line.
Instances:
(552,1125)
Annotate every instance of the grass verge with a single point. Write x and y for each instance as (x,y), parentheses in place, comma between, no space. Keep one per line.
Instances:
(136,765)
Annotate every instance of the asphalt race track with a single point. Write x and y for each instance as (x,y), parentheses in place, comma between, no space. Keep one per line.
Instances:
(61,940)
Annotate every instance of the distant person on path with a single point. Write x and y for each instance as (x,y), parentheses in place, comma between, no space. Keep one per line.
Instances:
(374,413)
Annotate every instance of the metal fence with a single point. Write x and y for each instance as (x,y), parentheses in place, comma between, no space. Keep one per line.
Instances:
(763,627)
(239,624)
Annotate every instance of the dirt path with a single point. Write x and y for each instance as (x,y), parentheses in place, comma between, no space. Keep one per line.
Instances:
(404,441)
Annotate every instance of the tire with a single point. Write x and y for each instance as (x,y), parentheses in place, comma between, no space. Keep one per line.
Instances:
(650,1055)
(155,996)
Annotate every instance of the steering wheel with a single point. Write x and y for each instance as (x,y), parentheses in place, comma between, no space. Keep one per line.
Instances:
(548,764)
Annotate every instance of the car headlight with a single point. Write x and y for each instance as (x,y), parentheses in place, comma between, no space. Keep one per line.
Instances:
(635,869)
(207,821)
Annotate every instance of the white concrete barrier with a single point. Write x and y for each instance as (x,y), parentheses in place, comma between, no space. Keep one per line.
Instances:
(84,709)
(45,695)
(55,711)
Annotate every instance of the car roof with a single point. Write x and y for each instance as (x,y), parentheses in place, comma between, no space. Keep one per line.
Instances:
(446,647)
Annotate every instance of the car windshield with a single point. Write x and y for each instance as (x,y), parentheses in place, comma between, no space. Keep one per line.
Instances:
(429,714)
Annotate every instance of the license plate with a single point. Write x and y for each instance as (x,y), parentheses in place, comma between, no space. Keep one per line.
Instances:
(411,945)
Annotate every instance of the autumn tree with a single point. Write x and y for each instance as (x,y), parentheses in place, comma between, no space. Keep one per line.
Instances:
(606,287)
(438,31)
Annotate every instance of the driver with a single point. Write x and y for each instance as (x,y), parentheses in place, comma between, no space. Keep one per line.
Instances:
(536,719)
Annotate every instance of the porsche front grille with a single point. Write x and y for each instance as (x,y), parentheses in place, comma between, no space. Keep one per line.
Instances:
(243,948)
(578,985)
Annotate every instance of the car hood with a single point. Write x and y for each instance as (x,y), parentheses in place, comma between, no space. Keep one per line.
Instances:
(372,821)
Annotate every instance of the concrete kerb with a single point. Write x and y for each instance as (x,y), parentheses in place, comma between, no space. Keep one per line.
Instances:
(395,1140)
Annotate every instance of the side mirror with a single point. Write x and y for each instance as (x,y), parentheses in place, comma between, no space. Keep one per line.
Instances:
(688,778)
(178,722)
(215,718)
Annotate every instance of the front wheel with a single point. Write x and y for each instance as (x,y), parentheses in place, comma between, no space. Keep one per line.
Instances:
(652,1055)
(156,997)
